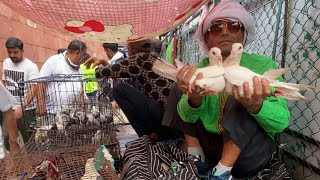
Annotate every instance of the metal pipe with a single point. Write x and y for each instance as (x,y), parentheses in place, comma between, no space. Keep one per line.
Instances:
(285,34)
(277,29)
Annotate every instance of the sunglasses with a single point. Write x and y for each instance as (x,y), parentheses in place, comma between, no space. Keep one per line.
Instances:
(217,26)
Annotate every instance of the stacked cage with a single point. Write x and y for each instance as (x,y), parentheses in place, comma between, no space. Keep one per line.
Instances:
(73,119)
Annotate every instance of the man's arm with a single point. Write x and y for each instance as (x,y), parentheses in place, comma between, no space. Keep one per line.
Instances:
(187,112)
(271,113)
(27,100)
(33,74)
(11,122)
(274,115)
(41,103)
(7,100)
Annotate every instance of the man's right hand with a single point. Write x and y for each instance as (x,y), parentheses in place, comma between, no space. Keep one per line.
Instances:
(94,61)
(191,90)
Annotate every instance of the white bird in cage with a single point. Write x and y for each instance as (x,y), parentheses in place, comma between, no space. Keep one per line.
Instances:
(81,117)
(62,121)
(91,120)
(212,81)
(237,75)
(95,111)
(65,110)
(97,138)
(90,171)
(40,136)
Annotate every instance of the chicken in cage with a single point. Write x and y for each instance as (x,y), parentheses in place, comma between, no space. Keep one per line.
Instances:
(81,163)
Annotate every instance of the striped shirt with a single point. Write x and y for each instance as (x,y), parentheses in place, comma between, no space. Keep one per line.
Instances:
(139,66)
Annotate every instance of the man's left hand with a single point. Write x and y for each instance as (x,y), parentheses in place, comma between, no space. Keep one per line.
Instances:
(18,113)
(253,101)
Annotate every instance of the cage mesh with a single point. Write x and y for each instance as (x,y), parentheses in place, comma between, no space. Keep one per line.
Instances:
(71,125)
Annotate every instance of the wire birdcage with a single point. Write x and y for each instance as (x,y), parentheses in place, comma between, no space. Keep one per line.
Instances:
(69,124)
(63,165)
(63,103)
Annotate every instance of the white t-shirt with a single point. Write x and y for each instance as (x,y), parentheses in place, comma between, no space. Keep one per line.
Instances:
(115,57)
(19,72)
(61,92)
(6,99)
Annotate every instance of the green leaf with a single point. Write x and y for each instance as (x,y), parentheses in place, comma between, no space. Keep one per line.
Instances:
(318,53)
(308,36)
(305,54)
(294,57)
(311,64)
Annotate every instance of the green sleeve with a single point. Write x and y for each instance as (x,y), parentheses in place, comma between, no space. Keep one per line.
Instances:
(274,115)
(169,52)
(188,113)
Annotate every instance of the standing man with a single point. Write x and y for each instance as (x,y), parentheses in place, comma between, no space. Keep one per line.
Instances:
(64,93)
(16,69)
(112,52)
(144,108)
(90,86)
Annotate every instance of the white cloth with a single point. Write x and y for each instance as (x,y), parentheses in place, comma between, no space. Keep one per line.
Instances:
(17,72)
(6,99)
(115,57)
(6,103)
(228,9)
(60,92)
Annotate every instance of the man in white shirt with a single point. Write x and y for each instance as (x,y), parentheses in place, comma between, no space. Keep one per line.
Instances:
(6,103)
(66,67)
(112,52)
(17,69)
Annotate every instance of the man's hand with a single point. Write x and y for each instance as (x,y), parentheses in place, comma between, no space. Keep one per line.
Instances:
(94,61)
(194,93)
(18,113)
(253,102)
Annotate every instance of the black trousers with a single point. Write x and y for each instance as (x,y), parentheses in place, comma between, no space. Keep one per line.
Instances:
(144,113)
(255,144)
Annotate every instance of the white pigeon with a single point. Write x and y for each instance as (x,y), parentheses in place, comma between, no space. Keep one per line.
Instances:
(65,110)
(40,135)
(95,111)
(81,117)
(97,137)
(212,79)
(237,75)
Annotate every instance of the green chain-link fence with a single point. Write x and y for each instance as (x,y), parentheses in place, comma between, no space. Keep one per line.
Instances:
(288,31)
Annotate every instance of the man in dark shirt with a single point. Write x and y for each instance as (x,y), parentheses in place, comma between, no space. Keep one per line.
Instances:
(144,108)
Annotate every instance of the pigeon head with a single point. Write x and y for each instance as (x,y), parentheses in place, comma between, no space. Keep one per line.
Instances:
(215,56)
(237,48)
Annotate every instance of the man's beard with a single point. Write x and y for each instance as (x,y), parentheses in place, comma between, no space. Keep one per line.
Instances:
(16,60)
